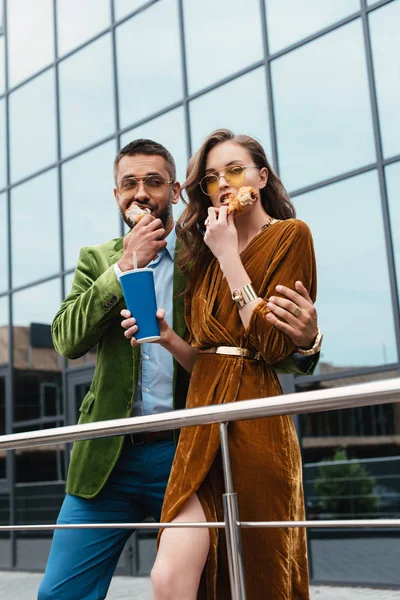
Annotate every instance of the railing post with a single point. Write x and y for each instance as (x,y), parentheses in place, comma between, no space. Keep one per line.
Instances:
(232,527)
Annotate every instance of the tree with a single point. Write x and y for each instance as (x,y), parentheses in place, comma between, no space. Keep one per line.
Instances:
(345,488)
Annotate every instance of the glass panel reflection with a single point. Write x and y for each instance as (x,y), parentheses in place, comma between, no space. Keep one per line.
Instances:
(124,7)
(33,131)
(86,96)
(4,322)
(385,41)
(151,83)
(3,244)
(35,229)
(393,187)
(2,63)
(31,23)
(79,21)
(323,114)
(216,109)
(90,212)
(33,312)
(353,282)
(168,130)
(221,38)
(289,21)
(3,150)
(5,542)
(68,279)
(37,377)
(2,420)
(352,471)
(3,425)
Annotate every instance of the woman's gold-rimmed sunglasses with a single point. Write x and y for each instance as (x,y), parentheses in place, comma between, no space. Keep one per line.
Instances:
(233,175)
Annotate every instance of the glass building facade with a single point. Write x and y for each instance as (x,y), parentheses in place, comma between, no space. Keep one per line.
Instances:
(318,84)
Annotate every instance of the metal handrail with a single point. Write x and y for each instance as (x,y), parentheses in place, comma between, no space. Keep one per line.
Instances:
(326,524)
(364,394)
(380,392)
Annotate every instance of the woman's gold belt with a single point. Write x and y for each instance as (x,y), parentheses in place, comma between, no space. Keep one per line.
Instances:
(233,351)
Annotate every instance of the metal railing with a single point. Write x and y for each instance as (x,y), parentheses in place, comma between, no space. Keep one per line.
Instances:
(366,394)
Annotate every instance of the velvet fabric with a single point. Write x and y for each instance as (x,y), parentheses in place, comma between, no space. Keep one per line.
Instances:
(265,455)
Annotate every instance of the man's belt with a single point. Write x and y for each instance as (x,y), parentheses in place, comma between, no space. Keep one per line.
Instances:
(148,437)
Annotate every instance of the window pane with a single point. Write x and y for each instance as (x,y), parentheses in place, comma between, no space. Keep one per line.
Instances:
(90,213)
(351,471)
(33,132)
(124,7)
(155,81)
(30,37)
(168,130)
(35,229)
(323,113)
(36,305)
(3,151)
(353,281)
(68,279)
(4,321)
(86,96)
(289,20)
(3,243)
(385,40)
(79,21)
(2,420)
(221,38)
(37,366)
(249,115)
(5,519)
(393,188)
(2,65)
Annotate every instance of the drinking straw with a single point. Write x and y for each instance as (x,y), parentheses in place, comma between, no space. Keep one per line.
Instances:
(134,260)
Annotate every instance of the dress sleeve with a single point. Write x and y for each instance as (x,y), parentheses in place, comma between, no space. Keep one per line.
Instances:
(293,260)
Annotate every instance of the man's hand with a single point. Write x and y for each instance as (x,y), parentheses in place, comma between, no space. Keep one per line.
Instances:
(129,324)
(301,329)
(146,239)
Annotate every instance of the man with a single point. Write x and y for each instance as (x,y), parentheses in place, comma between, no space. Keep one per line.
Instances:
(123,478)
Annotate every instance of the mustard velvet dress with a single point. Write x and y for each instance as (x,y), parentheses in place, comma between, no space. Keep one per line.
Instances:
(265,455)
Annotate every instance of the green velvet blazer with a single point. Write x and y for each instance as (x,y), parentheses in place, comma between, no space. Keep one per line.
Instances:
(90,315)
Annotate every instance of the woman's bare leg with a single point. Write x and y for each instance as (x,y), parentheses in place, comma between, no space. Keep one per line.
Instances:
(181,556)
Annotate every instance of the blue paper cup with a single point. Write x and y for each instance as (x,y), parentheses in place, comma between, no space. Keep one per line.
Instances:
(140,299)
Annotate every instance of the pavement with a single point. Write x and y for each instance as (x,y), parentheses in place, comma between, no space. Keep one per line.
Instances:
(17,585)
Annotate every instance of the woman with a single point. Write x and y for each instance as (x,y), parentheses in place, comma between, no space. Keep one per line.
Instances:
(234,262)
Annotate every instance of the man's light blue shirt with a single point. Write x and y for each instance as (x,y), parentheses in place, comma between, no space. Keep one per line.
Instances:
(154,392)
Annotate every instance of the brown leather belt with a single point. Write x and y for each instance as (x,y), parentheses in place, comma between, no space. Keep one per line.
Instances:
(233,351)
(148,437)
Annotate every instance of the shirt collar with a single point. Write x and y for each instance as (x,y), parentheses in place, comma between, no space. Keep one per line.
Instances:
(171,243)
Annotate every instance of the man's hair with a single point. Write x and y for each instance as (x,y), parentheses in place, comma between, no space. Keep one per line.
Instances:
(148,147)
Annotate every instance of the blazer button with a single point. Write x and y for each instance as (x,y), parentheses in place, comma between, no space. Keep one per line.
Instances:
(114,298)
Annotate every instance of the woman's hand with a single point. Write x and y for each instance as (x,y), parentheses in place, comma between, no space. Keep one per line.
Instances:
(129,324)
(221,234)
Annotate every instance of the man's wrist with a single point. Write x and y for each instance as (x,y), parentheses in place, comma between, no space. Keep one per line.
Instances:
(118,271)
(315,348)
(124,266)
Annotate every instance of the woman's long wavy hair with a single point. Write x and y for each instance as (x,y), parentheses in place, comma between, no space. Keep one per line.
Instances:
(190,226)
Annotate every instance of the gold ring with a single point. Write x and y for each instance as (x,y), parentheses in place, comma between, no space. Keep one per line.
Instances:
(297,312)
